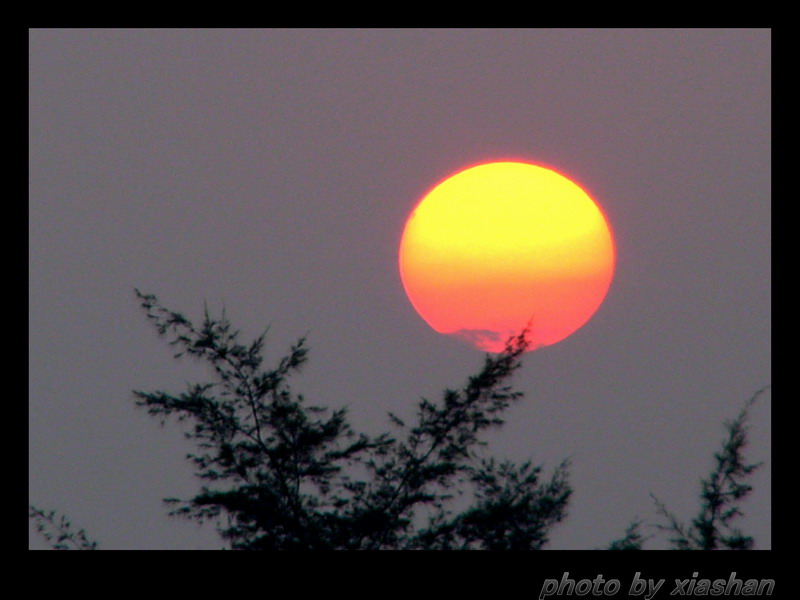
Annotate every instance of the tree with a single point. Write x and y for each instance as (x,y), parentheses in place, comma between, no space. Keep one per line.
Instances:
(721,494)
(57,530)
(720,498)
(284,475)
(280,474)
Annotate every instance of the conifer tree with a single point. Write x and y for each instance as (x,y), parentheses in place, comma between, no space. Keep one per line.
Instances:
(720,499)
(282,474)
(58,531)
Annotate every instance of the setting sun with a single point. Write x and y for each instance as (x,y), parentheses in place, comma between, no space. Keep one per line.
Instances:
(502,245)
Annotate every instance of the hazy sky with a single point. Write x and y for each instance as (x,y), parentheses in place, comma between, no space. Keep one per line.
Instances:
(271,172)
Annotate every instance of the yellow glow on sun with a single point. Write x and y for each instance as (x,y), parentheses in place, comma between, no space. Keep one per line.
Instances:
(500,245)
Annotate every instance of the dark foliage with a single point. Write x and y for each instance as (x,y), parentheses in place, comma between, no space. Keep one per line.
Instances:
(720,499)
(632,540)
(280,474)
(284,475)
(57,530)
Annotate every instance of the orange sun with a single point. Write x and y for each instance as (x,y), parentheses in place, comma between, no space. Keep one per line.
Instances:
(501,245)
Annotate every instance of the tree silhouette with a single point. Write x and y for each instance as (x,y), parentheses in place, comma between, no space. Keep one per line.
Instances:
(284,475)
(722,492)
(57,530)
(281,474)
(720,499)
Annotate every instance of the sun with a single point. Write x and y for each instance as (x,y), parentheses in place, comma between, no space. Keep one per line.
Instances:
(503,245)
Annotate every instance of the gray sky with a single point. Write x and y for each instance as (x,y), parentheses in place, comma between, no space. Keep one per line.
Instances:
(271,172)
